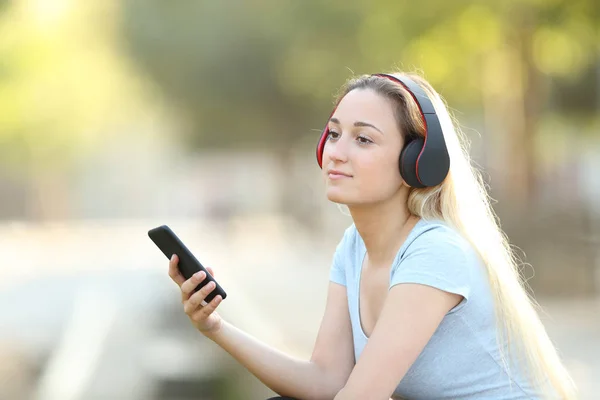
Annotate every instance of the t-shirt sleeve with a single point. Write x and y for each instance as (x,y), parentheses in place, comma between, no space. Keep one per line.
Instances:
(439,258)
(337,272)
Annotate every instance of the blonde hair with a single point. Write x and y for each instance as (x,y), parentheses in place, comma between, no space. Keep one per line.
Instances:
(462,202)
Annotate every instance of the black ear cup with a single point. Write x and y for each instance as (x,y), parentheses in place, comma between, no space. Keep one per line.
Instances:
(408,162)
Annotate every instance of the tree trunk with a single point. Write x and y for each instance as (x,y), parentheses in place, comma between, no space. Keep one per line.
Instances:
(511,89)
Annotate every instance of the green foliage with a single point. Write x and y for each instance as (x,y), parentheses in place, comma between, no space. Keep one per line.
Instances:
(264,72)
(268,70)
(62,83)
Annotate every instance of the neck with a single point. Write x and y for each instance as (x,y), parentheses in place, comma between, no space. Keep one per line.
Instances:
(383,227)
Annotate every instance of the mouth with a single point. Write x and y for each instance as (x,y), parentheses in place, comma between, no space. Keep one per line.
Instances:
(334,174)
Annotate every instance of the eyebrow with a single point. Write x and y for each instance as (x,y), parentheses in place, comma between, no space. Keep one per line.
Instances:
(357,123)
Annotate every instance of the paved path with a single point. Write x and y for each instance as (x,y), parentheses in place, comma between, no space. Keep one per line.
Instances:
(276,278)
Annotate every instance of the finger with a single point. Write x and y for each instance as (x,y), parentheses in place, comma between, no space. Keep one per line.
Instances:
(204,312)
(197,299)
(174,272)
(187,288)
(210,271)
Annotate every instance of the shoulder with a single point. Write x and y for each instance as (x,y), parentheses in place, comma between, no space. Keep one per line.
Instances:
(436,254)
(436,237)
(345,256)
(349,238)
(347,247)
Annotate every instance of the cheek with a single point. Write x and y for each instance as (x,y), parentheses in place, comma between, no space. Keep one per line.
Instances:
(380,176)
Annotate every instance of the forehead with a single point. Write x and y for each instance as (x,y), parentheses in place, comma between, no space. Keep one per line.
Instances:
(365,105)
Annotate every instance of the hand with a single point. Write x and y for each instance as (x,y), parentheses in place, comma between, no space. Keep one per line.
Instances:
(204,318)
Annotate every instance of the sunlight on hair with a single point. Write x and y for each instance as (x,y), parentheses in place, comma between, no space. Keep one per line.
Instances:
(344,209)
(465,204)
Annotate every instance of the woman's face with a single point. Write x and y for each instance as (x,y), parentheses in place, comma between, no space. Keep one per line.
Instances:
(360,157)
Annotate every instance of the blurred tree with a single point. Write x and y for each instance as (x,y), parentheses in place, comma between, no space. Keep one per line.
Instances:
(62,85)
(221,63)
(498,56)
(263,73)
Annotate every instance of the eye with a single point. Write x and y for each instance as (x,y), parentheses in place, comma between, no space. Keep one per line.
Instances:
(333,135)
(363,140)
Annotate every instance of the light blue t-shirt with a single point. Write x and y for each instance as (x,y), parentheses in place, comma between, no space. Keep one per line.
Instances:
(462,359)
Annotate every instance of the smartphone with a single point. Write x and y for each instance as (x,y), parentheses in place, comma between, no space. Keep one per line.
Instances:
(168,242)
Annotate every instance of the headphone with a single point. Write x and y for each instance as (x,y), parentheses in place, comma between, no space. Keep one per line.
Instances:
(423,162)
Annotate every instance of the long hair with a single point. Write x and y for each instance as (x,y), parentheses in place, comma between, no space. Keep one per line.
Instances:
(462,202)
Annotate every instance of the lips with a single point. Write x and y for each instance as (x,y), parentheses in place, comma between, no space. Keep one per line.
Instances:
(335,174)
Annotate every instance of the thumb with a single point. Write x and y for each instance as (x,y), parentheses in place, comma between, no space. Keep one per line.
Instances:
(210,271)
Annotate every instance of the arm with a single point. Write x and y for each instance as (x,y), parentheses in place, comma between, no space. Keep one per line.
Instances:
(321,377)
(392,347)
(334,347)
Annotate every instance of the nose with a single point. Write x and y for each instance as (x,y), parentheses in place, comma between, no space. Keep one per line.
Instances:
(336,150)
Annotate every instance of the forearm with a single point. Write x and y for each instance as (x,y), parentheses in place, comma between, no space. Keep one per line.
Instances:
(283,374)
(342,395)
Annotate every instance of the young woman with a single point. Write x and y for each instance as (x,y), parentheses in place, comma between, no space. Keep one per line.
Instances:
(424,300)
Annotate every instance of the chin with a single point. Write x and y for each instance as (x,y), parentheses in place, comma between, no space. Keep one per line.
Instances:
(356,198)
(336,196)
(340,197)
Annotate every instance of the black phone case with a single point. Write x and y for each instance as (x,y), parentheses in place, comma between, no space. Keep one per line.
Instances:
(168,242)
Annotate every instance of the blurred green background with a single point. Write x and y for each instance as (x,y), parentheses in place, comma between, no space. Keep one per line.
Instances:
(118,116)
